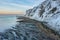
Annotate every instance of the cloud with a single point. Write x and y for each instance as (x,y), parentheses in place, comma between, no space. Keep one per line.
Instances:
(18,5)
(22,3)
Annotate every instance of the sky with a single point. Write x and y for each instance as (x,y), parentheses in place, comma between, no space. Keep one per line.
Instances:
(17,6)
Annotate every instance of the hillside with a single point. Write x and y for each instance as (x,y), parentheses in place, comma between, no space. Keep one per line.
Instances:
(48,11)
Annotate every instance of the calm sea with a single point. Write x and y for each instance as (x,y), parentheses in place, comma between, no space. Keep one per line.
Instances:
(6,21)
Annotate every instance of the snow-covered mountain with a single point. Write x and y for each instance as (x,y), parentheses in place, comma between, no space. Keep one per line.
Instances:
(48,11)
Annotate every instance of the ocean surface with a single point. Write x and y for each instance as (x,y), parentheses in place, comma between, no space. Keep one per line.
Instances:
(7,21)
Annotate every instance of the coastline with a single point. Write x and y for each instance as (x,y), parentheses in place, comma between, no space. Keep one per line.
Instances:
(29,29)
(48,31)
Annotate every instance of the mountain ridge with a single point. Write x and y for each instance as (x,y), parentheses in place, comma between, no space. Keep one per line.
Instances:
(48,11)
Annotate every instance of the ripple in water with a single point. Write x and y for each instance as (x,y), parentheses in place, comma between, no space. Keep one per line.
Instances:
(6,21)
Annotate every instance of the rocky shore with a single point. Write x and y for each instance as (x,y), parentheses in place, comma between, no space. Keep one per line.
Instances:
(44,28)
(29,29)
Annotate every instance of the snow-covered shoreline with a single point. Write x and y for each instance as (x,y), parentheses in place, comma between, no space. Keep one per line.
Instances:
(48,11)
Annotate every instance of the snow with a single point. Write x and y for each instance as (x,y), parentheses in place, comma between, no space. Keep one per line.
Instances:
(52,19)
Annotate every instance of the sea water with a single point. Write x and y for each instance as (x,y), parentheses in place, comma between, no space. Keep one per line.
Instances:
(7,21)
